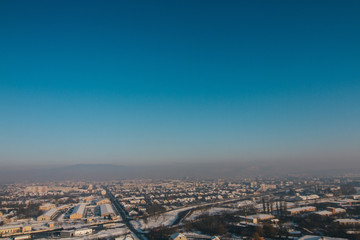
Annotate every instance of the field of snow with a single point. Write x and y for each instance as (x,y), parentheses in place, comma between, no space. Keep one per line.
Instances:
(168,218)
(102,234)
(212,211)
(165,219)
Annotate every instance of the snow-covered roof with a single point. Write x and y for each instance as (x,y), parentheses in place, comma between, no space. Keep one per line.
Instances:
(47,205)
(324,213)
(51,212)
(313,237)
(300,209)
(348,220)
(79,209)
(106,209)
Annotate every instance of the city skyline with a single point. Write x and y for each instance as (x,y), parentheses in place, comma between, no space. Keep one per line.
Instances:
(179,82)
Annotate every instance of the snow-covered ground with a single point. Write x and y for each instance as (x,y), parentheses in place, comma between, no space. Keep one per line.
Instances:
(212,211)
(168,218)
(165,219)
(115,232)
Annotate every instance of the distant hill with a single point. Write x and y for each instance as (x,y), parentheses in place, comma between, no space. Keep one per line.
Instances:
(75,172)
(200,170)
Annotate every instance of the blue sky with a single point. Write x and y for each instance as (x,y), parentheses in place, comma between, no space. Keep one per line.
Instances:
(178,81)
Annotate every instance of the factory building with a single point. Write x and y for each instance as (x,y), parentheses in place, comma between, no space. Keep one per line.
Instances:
(106,210)
(47,206)
(103,201)
(76,232)
(14,229)
(294,211)
(78,211)
(49,215)
(257,218)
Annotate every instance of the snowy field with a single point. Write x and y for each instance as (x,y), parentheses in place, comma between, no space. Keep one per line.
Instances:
(168,218)
(165,219)
(212,211)
(102,234)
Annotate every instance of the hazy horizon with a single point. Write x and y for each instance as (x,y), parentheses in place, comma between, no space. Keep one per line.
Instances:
(208,170)
(187,82)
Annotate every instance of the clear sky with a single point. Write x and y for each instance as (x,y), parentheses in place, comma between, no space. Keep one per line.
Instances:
(178,81)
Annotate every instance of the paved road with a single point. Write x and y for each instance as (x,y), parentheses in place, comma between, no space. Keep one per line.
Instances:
(124,215)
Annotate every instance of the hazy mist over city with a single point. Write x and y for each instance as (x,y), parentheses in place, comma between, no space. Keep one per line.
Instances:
(199,170)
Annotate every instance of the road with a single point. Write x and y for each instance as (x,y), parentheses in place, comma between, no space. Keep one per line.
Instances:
(124,215)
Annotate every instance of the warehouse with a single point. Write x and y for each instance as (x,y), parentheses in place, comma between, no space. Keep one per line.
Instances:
(78,211)
(103,201)
(294,211)
(49,215)
(106,210)
(14,229)
(76,232)
(47,206)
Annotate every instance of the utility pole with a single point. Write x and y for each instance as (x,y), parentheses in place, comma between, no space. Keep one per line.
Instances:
(246,217)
